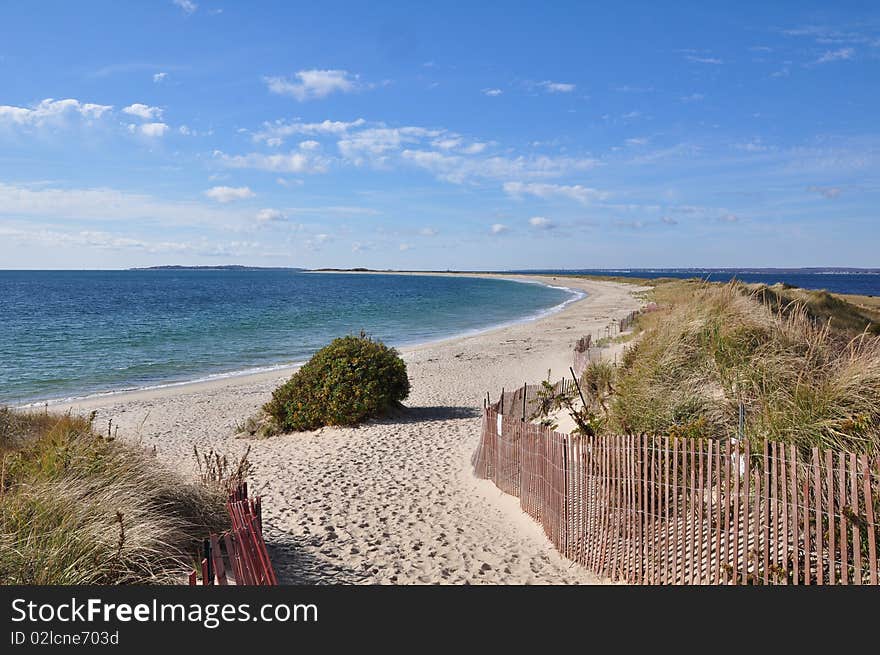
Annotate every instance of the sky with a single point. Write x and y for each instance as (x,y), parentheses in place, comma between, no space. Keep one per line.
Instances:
(439,135)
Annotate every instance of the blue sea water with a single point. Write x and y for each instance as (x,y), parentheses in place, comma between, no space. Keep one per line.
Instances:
(72,333)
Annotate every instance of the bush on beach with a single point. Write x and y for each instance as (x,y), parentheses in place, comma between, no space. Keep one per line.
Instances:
(352,379)
(79,508)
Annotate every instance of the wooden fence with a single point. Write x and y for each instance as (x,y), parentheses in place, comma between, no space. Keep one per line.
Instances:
(246,559)
(661,510)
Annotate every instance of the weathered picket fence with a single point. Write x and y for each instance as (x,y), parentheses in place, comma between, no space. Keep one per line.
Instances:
(239,553)
(662,510)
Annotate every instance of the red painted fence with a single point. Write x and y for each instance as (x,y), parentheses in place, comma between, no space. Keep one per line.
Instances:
(246,559)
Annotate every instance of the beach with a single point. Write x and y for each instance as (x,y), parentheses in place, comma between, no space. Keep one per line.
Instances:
(393,501)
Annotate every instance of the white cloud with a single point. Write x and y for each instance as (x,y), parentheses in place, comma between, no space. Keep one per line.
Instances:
(704,60)
(159,77)
(292,162)
(269,216)
(143,111)
(111,205)
(541,223)
(557,87)
(374,144)
(309,145)
(459,169)
(498,228)
(227,194)
(314,84)
(636,141)
(152,129)
(492,93)
(576,192)
(51,112)
(428,232)
(474,148)
(188,6)
(274,133)
(829,192)
(842,54)
(405,246)
(668,220)
(694,97)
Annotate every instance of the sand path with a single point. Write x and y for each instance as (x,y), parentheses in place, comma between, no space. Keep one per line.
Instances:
(392,501)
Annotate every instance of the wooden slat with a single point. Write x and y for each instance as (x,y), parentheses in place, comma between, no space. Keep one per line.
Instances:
(832,550)
(746,506)
(217,555)
(769,489)
(676,575)
(854,506)
(806,512)
(795,524)
(817,504)
(844,533)
(869,516)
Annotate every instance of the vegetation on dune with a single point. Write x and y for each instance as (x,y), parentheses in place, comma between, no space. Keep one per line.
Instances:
(352,379)
(804,365)
(79,508)
(801,371)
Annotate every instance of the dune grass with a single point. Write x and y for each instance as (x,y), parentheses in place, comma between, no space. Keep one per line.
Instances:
(806,370)
(80,508)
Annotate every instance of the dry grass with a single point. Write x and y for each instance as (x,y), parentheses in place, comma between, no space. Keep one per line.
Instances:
(79,508)
(711,347)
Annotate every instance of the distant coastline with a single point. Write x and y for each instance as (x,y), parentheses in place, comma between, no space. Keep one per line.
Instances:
(226,267)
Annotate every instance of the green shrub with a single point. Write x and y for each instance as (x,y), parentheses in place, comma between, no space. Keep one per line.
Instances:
(352,379)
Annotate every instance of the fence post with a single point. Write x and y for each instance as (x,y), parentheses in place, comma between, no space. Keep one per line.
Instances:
(524,403)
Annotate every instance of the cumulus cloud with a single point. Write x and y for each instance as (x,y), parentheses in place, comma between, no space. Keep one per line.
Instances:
(314,84)
(492,92)
(159,77)
(829,192)
(697,59)
(143,111)
(541,223)
(581,194)
(556,87)
(150,129)
(188,6)
(309,144)
(498,228)
(227,194)
(274,133)
(841,54)
(265,216)
(51,111)
(292,162)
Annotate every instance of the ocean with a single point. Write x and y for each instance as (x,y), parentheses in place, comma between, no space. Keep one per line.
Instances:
(66,334)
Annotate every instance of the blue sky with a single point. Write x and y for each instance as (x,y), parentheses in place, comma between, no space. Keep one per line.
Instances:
(439,135)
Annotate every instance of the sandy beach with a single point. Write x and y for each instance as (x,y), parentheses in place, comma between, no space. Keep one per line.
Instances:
(393,501)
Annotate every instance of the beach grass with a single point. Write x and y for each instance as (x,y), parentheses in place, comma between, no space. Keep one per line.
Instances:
(77,507)
(806,370)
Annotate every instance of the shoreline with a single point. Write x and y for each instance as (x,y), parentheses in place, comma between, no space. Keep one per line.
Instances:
(392,501)
(272,370)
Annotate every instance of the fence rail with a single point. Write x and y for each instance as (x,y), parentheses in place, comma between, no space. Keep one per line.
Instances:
(246,559)
(661,510)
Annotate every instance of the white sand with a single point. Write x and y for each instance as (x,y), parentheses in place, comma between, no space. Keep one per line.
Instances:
(392,501)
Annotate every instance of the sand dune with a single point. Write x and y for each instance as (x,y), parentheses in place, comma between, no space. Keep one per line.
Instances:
(393,501)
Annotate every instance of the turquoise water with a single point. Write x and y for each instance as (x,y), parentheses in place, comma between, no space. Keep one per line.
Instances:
(72,333)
